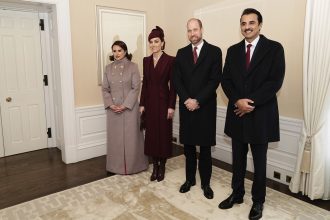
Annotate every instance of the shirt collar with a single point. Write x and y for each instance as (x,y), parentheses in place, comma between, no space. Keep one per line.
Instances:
(254,42)
(199,46)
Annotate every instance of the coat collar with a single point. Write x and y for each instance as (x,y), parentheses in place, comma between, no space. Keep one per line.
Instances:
(122,61)
(201,57)
(162,63)
(202,53)
(260,51)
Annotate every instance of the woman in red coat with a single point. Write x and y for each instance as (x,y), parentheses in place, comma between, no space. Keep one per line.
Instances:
(158,99)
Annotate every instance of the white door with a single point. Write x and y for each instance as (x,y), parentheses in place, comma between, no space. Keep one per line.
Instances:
(21,83)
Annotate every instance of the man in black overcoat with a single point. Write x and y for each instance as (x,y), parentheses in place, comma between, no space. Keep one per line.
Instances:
(252,75)
(197,73)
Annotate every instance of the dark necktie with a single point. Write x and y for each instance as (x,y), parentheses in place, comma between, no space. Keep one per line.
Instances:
(195,54)
(247,56)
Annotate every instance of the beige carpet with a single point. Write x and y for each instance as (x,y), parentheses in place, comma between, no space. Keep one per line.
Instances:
(135,197)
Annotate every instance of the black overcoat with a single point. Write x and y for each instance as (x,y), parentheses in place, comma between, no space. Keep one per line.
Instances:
(198,81)
(259,83)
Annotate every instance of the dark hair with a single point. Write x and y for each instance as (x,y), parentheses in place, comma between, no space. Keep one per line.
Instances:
(157,32)
(248,11)
(123,46)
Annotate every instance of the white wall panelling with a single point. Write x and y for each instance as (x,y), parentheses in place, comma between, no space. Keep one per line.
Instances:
(282,155)
(91,132)
(91,140)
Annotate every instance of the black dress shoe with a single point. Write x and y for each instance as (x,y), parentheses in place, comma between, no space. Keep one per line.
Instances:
(229,202)
(208,192)
(186,186)
(256,211)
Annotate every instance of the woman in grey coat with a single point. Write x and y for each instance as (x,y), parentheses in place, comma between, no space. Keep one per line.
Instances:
(121,84)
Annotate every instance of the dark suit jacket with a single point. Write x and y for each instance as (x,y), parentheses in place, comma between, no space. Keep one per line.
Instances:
(260,83)
(198,81)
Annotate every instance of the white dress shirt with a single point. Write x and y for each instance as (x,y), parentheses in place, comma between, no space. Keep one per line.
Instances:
(254,44)
(199,47)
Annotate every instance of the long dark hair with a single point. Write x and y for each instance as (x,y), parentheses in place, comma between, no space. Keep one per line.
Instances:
(124,47)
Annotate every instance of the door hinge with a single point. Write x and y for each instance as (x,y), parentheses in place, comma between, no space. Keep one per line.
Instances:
(42,24)
(49,132)
(45,80)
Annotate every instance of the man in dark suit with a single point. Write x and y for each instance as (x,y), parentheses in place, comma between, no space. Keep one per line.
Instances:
(197,73)
(252,75)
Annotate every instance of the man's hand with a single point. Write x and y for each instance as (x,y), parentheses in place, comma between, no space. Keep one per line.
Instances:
(243,107)
(191,104)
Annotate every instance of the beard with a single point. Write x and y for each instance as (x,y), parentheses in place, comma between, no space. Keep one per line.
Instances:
(195,39)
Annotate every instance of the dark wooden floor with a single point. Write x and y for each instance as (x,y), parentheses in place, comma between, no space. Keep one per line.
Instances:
(35,174)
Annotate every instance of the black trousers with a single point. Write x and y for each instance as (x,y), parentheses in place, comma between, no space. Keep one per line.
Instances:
(259,154)
(204,163)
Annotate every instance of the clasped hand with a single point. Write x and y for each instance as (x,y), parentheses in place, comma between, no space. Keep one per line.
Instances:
(243,107)
(118,108)
(191,104)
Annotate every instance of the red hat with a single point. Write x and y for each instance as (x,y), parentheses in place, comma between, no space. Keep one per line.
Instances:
(156,32)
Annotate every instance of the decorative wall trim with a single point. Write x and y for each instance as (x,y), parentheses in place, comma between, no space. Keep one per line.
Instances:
(91,132)
(282,156)
(132,29)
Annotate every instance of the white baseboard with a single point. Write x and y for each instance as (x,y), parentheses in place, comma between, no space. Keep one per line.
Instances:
(282,156)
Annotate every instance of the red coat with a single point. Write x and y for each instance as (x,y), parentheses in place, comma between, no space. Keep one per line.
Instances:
(157,96)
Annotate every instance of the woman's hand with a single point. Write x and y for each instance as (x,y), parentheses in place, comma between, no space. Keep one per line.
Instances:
(141,109)
(170,113)
(121,109)
(118,108)
(113,108)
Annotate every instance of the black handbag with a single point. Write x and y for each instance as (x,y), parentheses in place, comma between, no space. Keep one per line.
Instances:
(143,121)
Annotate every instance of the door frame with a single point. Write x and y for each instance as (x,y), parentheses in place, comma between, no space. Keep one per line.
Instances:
(26,142)
(61,9)
(46,54)
(2,149)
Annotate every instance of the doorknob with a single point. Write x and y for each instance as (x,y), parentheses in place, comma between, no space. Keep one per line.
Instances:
(8,99)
